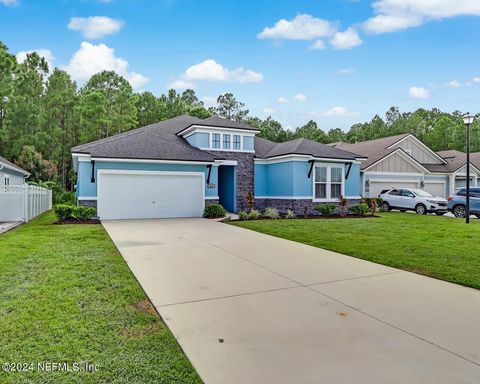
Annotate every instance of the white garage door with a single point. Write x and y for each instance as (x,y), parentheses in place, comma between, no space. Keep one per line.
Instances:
(377,186)
(436,189)
(150,195)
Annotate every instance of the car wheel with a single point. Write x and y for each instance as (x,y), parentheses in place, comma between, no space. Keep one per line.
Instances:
(386,206)
(440,213)
(421,209)
(459,211)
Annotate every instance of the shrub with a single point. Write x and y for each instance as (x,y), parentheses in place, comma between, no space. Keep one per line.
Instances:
(63,211)
(359,209)
(214,211)
(82,213)
(326,209)
(66,211)
(254,214)
(290,214)
(243,216)
(272,213)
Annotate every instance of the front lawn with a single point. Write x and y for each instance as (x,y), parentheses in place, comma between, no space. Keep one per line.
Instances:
(441,247)
(66,295)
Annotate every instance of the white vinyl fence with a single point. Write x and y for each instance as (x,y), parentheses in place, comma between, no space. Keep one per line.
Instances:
(23,202)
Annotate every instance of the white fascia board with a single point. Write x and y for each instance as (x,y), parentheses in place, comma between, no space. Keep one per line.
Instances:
(373,173)
(464,169)
(207,129)
(118,160)
(6,166)
(286,158)
(417,141)
(83,198)
(226,162)
(212,198)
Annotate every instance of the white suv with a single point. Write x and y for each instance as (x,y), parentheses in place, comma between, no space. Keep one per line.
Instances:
(405,199)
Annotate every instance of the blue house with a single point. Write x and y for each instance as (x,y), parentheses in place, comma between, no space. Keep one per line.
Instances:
(176,167)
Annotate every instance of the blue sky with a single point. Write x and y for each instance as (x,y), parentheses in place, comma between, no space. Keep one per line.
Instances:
(336,62)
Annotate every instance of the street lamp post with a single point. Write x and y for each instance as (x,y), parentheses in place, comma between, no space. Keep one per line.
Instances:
(468,120)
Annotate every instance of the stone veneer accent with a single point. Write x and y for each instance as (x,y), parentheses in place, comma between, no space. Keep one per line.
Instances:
(297,206)
(88,203)
(211,201)
(245,175)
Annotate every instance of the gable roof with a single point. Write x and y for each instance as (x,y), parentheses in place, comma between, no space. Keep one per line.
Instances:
(455,161)
(265,149)
(9,165)
(156,142)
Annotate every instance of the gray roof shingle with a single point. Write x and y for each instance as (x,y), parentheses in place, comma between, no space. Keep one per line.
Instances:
(266,149)
(157,141)
(10,165)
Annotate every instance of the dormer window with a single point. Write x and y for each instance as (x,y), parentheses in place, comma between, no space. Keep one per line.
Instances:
(236,141)
(226,141)
(216,140)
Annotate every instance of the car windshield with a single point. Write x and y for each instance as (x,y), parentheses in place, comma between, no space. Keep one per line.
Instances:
(421,193)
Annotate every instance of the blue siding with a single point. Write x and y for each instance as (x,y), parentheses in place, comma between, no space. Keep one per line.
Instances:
(85,188)
(291,179)
(353,183)
(248,143)
(261,179)
(199,139)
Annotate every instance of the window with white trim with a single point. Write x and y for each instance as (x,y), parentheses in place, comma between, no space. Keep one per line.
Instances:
(215,140)
(236,142)
(226,141)
(320,182)
(329,182)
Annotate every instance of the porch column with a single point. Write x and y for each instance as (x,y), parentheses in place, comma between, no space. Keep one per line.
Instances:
(452,184)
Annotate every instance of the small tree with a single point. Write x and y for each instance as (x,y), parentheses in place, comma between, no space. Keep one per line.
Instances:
(33,162)
(373,206)
(250,201)
(343,204)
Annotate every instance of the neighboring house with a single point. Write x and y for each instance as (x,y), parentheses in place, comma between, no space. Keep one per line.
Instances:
(11,174)
(176,167)
(404,161)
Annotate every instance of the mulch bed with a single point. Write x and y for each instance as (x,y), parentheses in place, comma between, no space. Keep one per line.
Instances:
(73,221)
(316,217)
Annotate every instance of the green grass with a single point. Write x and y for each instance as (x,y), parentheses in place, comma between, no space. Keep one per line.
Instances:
(440,247)
(66,295)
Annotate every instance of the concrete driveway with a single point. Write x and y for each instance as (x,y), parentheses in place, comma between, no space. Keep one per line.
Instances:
(250,308)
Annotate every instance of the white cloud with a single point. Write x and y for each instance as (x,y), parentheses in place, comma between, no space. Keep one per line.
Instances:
(419,93)
(45,53)
(346,40)
(396,15)
(95,27)
(453,84)
(10,3)
(210,70)
(339,112)
(319,44)
(180,84)
(388,23)
(476,79)
(282,100)
(302,27)
(209,101)
(346,71)
(91,59)
(300,97)
(269,111)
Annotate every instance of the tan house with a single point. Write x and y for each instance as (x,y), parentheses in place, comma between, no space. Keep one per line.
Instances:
(403,161)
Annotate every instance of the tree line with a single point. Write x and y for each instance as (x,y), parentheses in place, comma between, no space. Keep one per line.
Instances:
(43,114)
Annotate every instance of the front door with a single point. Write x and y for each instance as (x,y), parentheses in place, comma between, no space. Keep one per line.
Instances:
(227,187)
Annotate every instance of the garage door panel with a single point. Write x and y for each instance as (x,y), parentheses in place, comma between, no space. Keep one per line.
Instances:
(436,189)
(377,186)
(150,195)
